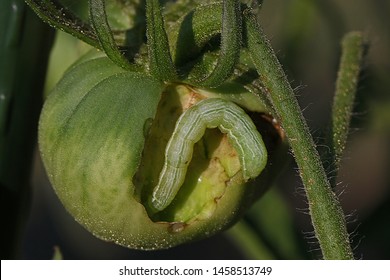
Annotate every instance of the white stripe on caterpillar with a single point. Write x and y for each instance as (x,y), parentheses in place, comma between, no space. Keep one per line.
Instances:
(189,129)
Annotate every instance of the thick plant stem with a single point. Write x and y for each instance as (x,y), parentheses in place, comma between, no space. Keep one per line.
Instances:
(325,210)
(346,85)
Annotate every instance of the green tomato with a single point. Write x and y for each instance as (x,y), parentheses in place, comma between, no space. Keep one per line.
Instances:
(102,136)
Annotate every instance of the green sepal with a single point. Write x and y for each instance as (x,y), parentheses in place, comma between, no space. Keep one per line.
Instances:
(58,16)
(160,60)
(103,31)
(230,45)
(190,35)
(193,31)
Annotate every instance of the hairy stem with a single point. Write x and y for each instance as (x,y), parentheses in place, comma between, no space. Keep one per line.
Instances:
(325,210)
(346,85)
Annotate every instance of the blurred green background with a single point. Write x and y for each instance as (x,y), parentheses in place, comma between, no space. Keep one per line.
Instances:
(305,35)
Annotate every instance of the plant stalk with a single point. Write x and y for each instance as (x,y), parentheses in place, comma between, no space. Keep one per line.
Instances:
(325,210)
(346,85)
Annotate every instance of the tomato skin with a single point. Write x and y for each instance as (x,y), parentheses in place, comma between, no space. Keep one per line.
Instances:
(91,138)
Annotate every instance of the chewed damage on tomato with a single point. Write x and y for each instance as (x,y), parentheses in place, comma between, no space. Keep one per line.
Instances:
(214,167)
(102,138)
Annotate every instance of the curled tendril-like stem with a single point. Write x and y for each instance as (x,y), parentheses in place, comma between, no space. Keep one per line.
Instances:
(230,45)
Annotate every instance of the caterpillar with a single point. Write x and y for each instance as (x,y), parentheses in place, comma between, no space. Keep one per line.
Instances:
(190,127)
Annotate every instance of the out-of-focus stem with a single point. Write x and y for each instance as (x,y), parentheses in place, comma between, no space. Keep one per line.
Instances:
(249,242)
(346,85)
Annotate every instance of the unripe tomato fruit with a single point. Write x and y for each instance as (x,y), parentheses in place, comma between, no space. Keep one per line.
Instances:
(102,135)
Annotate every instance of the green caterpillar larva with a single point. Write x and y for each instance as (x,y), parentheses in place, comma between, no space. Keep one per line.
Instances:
(189,129)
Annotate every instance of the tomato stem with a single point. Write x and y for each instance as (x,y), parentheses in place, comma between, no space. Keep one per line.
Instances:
(325,210)
(346,86)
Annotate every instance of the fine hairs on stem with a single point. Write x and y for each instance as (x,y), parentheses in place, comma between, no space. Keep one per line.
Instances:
(325,210)
(346,86)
